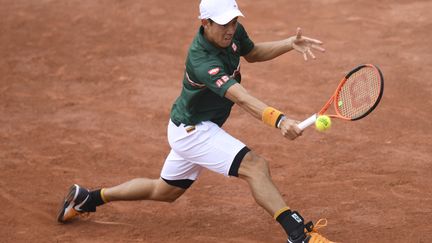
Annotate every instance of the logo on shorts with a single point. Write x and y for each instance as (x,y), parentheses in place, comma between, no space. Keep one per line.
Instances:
(214,71)
(190,129)
(234,47)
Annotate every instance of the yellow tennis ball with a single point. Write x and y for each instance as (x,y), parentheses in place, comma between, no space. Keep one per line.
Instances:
(322,123)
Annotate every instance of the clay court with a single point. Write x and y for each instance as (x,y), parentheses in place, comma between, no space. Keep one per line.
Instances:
(85,93)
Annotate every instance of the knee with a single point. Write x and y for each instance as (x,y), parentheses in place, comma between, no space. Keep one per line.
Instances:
(254,166)
(170,198)
(165,197)
(163,192)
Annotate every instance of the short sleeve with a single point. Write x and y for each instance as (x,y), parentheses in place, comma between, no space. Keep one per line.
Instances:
(214,77)
(246,44)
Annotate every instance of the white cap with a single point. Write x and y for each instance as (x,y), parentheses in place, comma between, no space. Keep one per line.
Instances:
(220,11)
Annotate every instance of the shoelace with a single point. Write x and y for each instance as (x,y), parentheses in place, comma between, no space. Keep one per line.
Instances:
(315,236)
(321,223)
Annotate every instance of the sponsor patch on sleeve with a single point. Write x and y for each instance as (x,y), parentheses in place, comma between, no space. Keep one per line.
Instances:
(214,71)
(222,80)
(219,83)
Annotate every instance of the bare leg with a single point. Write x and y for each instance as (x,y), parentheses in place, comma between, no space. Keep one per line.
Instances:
(255,171)
(143,189)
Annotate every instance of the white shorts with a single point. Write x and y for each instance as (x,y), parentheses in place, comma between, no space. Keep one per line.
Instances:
(204,145)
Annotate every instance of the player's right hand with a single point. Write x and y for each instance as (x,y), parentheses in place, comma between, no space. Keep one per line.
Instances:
(290,129)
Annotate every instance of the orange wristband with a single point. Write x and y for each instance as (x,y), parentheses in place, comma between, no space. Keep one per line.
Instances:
(271,116)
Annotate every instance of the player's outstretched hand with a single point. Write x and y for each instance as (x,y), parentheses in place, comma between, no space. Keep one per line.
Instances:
(305,44)
(290,129)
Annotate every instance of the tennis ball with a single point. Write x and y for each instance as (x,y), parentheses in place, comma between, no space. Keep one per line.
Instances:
(323,123)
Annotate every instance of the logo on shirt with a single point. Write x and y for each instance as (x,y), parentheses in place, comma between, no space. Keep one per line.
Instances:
(221,81)
(234,47)
(214,71)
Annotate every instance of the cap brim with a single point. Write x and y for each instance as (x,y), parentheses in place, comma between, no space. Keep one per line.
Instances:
(227,17)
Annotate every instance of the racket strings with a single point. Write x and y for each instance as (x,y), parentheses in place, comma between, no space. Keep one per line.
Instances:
(359,93)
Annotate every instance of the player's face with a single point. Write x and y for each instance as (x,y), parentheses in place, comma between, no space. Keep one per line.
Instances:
(220,35)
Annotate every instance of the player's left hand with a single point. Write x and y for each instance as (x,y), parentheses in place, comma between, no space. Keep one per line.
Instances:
(304,44)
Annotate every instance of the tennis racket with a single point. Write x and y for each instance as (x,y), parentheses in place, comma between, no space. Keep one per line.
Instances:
(357,95)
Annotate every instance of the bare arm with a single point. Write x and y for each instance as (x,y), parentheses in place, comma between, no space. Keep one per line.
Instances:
(239,95)
(269,50)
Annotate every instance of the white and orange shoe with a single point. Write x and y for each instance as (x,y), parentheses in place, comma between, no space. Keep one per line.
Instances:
(72,206)
(311,234)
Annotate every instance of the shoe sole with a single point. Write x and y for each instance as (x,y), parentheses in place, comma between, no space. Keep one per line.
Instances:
(68,202)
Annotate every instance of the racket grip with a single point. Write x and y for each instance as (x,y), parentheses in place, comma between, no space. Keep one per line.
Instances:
(311,120)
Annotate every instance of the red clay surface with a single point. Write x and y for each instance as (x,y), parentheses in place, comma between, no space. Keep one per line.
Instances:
(86,89)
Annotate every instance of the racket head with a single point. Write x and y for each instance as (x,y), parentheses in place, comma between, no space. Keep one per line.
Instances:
(359,92)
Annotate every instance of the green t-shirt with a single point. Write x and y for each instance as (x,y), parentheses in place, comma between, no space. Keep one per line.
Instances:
(210,71)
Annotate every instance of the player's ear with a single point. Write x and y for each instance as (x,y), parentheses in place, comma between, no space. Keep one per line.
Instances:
(205,22)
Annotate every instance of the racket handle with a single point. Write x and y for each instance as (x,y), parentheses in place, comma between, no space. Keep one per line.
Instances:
(311,120)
